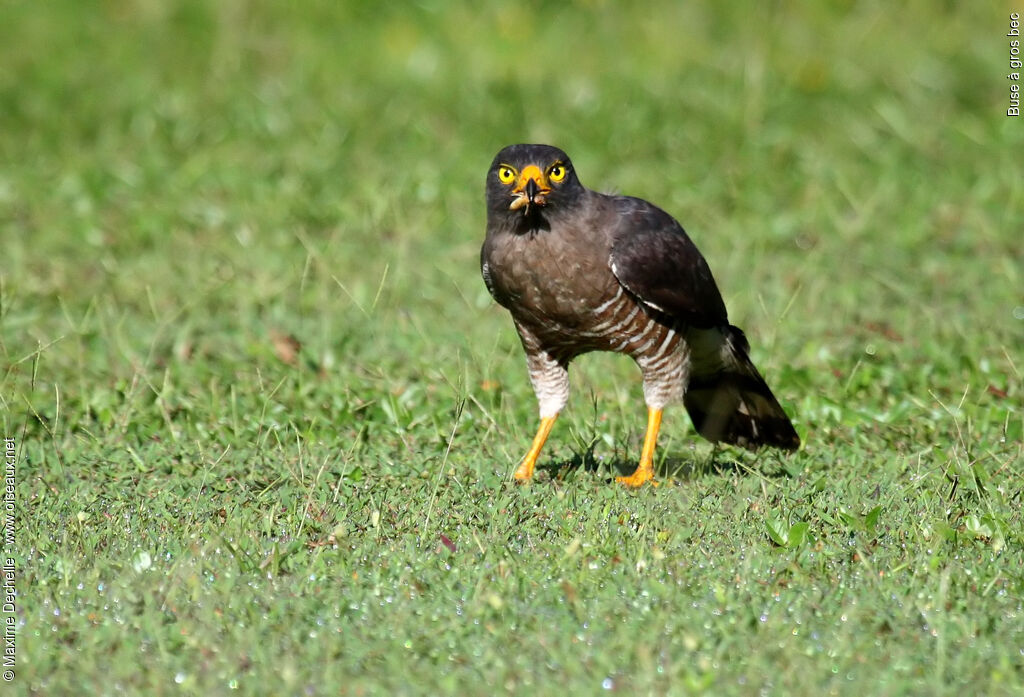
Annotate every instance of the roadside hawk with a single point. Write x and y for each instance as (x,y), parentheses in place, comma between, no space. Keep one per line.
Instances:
(582,271)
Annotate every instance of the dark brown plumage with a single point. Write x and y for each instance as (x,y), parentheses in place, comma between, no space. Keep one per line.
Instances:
(581,271)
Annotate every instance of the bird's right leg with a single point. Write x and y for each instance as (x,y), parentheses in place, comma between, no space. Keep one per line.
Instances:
(550,380)
(525,470)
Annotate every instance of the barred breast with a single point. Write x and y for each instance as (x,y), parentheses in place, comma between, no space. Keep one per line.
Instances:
(620,324)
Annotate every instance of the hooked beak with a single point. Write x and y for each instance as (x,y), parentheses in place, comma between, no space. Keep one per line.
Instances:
(532,189)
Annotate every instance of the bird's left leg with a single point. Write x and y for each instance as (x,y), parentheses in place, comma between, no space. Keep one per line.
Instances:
(665,380)
(550,380)
(645,470)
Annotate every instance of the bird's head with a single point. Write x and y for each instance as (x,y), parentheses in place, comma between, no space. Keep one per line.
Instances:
(527,183)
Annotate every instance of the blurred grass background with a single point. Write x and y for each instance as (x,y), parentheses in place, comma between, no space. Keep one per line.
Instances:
(240,310)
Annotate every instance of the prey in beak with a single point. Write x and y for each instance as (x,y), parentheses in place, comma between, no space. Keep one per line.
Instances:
(531,189)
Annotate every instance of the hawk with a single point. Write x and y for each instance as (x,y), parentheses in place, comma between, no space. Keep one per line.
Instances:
(581,271)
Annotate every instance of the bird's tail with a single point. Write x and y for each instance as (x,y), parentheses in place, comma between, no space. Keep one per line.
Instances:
(728,399)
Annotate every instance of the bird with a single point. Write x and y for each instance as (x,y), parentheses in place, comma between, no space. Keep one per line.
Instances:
(582,271)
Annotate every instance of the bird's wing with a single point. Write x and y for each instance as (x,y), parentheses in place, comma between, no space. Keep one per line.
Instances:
(654,259)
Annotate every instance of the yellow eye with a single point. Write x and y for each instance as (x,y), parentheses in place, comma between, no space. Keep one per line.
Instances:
(506,175)
(556,173)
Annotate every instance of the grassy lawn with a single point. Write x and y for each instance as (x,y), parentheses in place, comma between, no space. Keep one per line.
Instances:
(266,413)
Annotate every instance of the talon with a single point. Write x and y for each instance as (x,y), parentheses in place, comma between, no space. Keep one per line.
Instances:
(638,478)
(523,474)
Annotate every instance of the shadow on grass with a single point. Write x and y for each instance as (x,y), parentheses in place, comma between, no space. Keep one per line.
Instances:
(671,467)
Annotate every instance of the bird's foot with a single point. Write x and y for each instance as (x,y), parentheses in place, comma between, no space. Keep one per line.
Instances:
(523,473)
(639,478)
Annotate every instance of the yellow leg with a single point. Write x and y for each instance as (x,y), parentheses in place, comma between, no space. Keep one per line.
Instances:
(525,470)
(645,470)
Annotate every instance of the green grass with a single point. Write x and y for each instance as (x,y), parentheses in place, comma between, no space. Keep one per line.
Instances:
(188,189)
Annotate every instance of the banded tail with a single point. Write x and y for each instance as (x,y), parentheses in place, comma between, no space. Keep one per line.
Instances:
(727,398)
